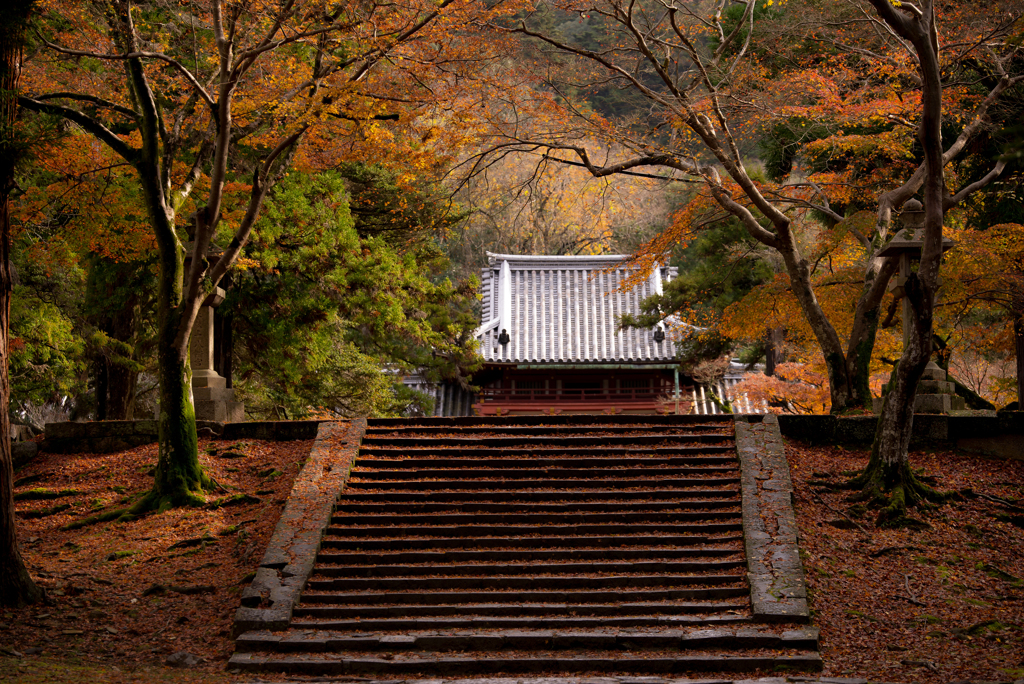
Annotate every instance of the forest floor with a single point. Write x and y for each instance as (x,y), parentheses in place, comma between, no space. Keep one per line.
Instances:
(940,604)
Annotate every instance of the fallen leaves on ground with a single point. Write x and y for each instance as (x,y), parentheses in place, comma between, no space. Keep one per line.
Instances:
(125,596)
(934,605)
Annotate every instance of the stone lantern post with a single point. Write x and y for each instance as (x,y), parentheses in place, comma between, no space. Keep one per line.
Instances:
(935,394)
(213,399)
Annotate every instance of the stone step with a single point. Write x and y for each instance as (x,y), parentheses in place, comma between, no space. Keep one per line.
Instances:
(539,640)
(359,482)
(495,609)
(476,531)
(555,545)
(533,518)
(401,544)
(486,663)
(402,623)
(540,450)
(507,464)
(594,508)
(510,569)
(551,495)
(547,429)
(526,555)
(525,596)
(549,442)
(517,583)
(585,420)
(638,471)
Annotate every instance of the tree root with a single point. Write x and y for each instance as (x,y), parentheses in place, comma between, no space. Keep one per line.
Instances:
(152,502)
(894,494)
(95,519)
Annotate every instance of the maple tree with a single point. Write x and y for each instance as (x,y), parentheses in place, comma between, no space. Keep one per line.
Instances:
(984,298)
(709,88)
(16,586)
(205,99)
(84,302)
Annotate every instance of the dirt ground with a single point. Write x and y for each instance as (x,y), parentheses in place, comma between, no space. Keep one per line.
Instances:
(940,604)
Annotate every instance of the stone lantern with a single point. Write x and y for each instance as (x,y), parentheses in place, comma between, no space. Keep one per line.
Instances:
(212,398)
(935,394)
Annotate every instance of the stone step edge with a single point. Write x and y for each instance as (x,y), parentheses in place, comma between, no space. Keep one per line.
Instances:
(540,555)
(519,582)
(525,543)
(442,452)
(491,531)
(387,519)
(553,440)
(540,508)
(249,662)
(541,428)
(505,569)
(369,460)
(407,624)
(640,469)
(557,419)
(496,485)
(698,639)
(496,609)
(459,598)
(612,679)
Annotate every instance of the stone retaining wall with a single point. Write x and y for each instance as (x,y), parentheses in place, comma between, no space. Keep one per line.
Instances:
(105,436)
(777,589)
(1000,435)
(268,601)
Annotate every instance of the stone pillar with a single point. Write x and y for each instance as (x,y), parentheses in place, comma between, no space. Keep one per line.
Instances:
(210,394)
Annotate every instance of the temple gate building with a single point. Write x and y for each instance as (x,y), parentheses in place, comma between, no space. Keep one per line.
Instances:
(551,341)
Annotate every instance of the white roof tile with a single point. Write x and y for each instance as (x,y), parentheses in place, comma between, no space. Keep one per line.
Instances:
(566,309)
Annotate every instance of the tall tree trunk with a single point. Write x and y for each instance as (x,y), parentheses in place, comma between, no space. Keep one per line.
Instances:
(842,390)
(16,586)
(888,472)
(122,378)
(1018,338)
(179,478)
(773,355)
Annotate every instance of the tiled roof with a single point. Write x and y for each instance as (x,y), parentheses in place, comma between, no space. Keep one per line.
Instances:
(566,309)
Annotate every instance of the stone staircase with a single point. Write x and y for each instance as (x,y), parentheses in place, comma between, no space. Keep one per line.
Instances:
(539,545)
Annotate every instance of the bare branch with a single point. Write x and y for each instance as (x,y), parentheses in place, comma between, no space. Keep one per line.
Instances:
(959,197)
(189,76)
(98,101)
(104,134)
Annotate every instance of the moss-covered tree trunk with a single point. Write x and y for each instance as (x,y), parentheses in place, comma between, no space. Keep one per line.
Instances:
(888,479)
(888,472)
(16,586)
(179,479)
